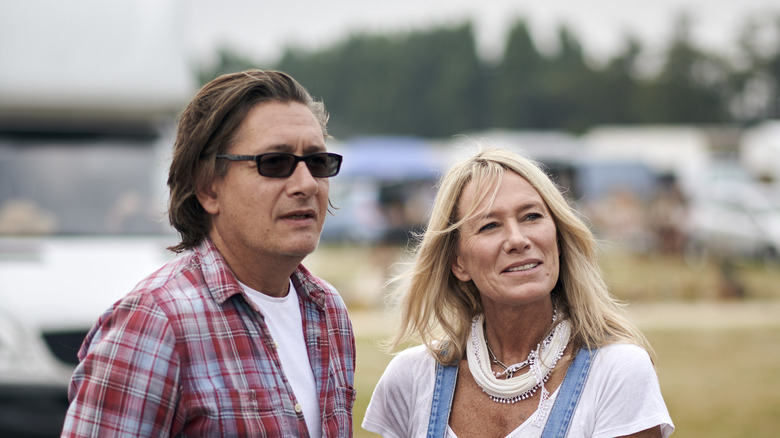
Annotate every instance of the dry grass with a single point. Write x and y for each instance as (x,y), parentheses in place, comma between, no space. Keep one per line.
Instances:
(656,277)
(720,383)
(719,379)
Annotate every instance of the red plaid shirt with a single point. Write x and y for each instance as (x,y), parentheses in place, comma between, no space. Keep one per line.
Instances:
(187,354)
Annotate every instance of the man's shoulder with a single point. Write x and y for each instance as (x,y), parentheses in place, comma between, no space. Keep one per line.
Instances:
(315,287)
(179,280)
(173,271)
(168,272)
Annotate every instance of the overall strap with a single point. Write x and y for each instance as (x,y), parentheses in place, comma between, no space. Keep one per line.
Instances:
(569,395)
(443,390)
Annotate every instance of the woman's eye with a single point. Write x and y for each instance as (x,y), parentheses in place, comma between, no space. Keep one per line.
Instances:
(487,227)
(532,216)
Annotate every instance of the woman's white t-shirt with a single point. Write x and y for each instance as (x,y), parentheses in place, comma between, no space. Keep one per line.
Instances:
(621,396)
(283,318)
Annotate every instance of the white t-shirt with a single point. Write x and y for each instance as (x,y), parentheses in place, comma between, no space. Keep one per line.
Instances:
(283,318)
(621,396)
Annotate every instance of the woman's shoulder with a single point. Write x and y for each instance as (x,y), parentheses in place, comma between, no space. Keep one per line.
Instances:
(623,362)
(411,365)
(401,400)
(418,352)
(413,359)
(622,384)
(623,354)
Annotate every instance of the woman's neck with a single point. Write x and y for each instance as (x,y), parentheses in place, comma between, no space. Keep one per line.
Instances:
(512,333)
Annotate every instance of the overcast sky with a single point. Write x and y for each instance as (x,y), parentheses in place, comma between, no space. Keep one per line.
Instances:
(263,28)
(55,50)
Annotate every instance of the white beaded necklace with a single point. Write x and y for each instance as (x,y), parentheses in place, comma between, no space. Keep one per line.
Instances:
(541,362)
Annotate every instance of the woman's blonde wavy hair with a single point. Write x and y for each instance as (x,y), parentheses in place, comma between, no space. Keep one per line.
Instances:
(437,308)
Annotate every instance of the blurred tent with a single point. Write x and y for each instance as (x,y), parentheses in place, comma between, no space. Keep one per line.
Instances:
(385,188)
(678,151)
(613,189)
(557,151)
(390,159)
(542,146)
(597,179)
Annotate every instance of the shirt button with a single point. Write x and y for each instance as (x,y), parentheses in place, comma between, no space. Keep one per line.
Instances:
(298,407)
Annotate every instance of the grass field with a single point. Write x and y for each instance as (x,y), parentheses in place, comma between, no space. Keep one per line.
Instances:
(718,359)
(720,378)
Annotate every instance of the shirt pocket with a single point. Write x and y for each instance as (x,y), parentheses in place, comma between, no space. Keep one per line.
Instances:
(346,394)
(247,412)
(338,416)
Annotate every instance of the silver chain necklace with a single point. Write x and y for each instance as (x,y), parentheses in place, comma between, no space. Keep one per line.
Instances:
(510,370)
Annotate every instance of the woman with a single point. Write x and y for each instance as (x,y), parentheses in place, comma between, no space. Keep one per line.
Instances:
(519,330)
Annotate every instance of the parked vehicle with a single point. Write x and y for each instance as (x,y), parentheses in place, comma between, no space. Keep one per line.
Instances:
(80,223)
(88,95)
(733,219)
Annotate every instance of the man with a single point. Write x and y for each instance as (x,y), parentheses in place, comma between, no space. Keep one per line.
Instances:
(233,337)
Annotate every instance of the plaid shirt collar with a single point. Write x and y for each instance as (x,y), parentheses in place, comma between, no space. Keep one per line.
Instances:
(223,284)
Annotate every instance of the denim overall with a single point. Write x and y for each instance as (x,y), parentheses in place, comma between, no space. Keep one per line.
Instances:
(560,416)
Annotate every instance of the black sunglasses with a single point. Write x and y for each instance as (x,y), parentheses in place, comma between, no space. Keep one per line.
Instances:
(282,165)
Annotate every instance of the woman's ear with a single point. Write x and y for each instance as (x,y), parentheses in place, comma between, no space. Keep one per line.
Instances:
(458,270)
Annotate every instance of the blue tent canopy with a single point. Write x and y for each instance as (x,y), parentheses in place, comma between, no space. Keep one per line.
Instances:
(390,159)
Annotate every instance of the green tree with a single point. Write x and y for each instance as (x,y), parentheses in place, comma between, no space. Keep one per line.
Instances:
(569,87)
(690,87)
(432,82)
(516,97)
(754,82)
(424,83)
(617,87)
(534,91)
(771,71)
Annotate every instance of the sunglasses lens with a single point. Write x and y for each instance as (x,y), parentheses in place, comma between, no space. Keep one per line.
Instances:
(276,165)
(323,165)
(282,165)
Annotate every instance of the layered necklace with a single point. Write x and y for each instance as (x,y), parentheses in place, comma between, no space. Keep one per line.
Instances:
(540,363)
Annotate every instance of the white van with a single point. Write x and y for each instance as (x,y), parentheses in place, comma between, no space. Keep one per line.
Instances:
(88,95)
(81,222)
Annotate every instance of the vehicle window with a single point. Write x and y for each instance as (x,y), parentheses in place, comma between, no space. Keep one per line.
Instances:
(81,185)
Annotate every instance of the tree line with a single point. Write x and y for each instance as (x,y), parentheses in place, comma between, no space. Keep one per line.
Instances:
(433,83)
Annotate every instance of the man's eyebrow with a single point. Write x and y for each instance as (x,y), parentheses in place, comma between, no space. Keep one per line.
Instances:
(312,149)
(279,147)
(284,147)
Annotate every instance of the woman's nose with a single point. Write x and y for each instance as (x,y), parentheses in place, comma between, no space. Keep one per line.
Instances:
(516,238)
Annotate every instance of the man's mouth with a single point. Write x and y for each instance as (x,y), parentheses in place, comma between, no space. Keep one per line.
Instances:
(300,215)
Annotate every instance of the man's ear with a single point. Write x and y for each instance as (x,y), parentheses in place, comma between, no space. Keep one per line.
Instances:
(208,198)
(458,270)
